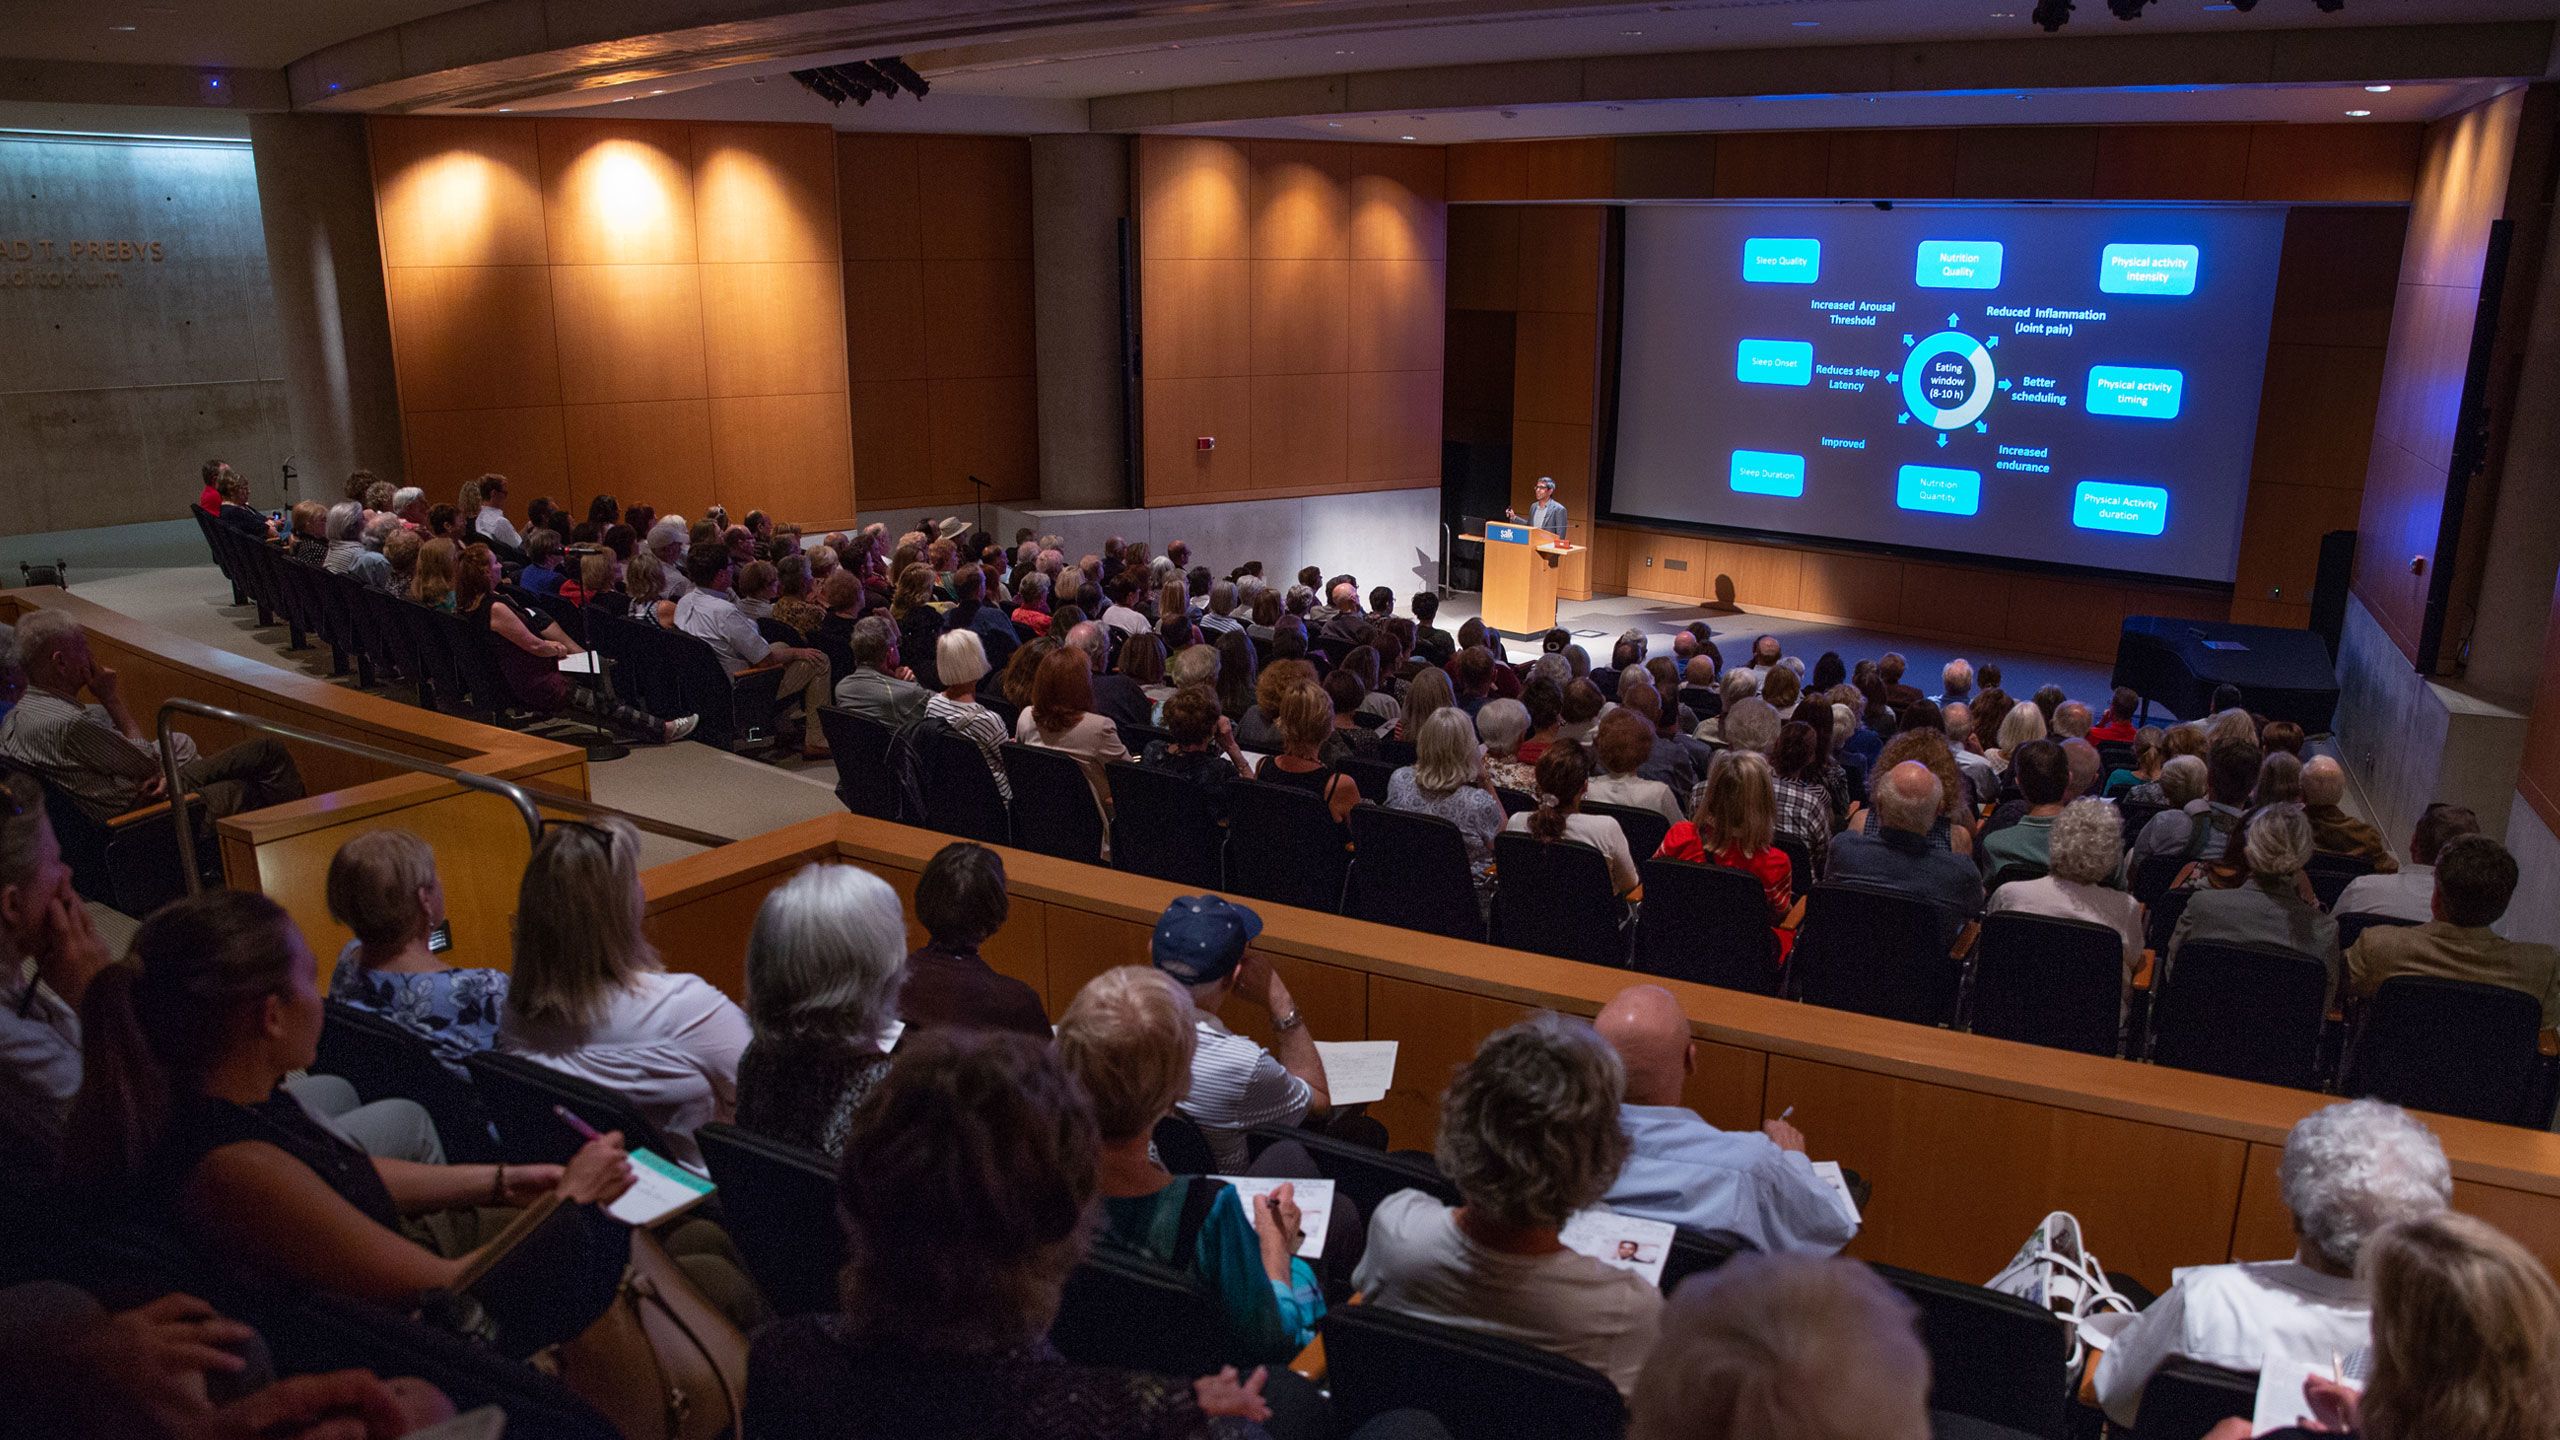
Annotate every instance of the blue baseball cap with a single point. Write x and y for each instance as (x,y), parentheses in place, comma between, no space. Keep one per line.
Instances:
(1201,938)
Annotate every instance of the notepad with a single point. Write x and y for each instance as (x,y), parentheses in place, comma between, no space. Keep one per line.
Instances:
(2280,1400)
(1838,1184)
(1625,1241)
(585,662)
(660,1188)
(1315,1204)
(1357,1072)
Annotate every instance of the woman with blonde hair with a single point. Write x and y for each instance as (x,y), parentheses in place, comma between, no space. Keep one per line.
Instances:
(1425,695)
(383,886)
(1306,722)
(1733,823)
(960,662)
(439,561)
(644,580)
(588,995)
(1448,779)
(1258,728)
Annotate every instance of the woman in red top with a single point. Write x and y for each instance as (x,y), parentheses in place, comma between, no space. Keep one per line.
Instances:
(1734,825)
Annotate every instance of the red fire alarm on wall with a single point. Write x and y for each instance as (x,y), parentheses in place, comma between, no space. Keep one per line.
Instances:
(1205,442)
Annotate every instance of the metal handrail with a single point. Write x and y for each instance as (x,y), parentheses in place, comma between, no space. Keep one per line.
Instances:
(520,796)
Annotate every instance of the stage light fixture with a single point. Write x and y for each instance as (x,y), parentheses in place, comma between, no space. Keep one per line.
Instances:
(900,71)
(2244,6)
(2127,9)
(862,78)
(2330,7)
(2052,14)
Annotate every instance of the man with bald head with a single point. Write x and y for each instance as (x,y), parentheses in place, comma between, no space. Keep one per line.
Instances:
(1901,859)
(1685,1171)
(2333,830)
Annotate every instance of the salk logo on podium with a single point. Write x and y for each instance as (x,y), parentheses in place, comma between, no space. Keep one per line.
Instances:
(1507,534)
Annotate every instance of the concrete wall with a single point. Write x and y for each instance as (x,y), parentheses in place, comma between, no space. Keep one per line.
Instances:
(2412,741)
(1079,195)
(145,350)
(1389,537)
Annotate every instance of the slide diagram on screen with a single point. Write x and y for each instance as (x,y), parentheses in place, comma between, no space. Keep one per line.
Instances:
(2068,384)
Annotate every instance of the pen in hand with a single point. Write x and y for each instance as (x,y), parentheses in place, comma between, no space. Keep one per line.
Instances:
(570,1119)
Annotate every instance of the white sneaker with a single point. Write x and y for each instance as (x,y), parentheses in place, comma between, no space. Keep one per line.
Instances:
(678,729)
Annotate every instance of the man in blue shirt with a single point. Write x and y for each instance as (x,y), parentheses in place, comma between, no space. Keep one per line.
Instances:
(1902,858)
(1685,1171)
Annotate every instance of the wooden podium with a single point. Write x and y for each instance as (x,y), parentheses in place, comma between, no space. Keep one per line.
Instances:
(1520,577)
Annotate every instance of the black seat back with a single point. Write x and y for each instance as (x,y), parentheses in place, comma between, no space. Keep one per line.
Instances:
(1127,1312)
(1799,861)
(1168,831)
(624,643)
(325,1332)
(1372,775)
(571,619)
(2450,1046)
(1874,952)
(2241,1011)
(778,1202)
(1706,923)
(2331,874)
(1053,807)
(2049,981)
(1480,1387)
(1696,1251)
(2186,1398)
(1994,1357)
(734,713)
(133,866)
(864,781)
(2135,814)
(439,668)
(519,1095)
(1643,828)
(386,640)
(1359,1174)
(387,1060)
(2153,877)
(2354,923)
(960,790)
(1288,850)
(1553,897)
(1410,870)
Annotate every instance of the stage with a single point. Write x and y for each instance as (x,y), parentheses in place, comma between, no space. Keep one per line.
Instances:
(1596,624)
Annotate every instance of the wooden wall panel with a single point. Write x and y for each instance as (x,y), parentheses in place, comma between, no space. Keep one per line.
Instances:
(937,284)
(1484,256)
(1568,169)
(1560,258)
(1774,165)
(1892,163)
(596,284)
(1435,1031)
(1316,274)
(2334,164)
(2173,162)
(2027,162)
(1555,368)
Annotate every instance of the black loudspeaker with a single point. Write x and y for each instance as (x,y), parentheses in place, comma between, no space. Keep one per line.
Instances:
(2329,591)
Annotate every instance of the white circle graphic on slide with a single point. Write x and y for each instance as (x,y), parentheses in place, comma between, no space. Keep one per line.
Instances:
(1947,380)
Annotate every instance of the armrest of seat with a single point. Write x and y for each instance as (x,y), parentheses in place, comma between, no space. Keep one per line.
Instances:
(2148,970)
(1971,932)
(1795,915)
(1309,1363)
(141,815)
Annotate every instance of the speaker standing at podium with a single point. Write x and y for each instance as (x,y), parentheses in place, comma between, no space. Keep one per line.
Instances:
(1546,512)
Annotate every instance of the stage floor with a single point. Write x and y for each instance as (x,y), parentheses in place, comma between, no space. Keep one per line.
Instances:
(1596,624)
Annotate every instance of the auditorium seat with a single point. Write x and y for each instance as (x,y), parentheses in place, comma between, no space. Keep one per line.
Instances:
(2452,1047)
(736,712)
(2331,874)
(1053,807)
(2048,981)
(1694,1252)
(1359,1174)
(1708,924)
(1131,1313)
(1644,829)
(1992,1357)
(1480,1387)
(2241,1011)
(326,1333)
(128,863)
(520,1095)
(1410,870)
(386,1060)
(1799,862)
(1371,775)
(1286,848)
(1552,897)
(960,795)
(2186,1398)
(1164,830)
(1876,953)
(2354,923)
(861,748)
(778,1204)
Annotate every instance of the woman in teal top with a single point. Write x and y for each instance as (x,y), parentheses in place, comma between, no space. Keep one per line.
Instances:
(1128,1037)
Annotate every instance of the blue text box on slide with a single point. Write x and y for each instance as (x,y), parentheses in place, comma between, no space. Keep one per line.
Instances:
(1768,260)
(1768,472)
(1959,265)
(2148,269)
(2135,392)
(2122,508)
(1774,362)
(1939,491)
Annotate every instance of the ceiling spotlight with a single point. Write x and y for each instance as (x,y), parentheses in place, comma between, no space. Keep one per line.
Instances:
(128,29)
(2052,14)
(900,71)
(2358,114)
(1404,137)
(2330,7)
(2378,89)
(2244,6)
(2127,9)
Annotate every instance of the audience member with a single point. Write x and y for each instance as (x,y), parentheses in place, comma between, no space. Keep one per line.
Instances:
(101,756)
(235,510)
(588,995)
(706,612)
(1899,858)
(49,951)
(1200,745)
(527,648)
(2282,735)
(961,902)
(2409,892)
(1306,723)
(183,1125)
(919,625)
(1684,1171)
(2475,877)
(383,887)
(2333,830)
(1430,643)
(1128,1037)
(1786,1348)
(880,687)
(346,554)
(488,517)
(1529,1137)
(967,1192)
(1623,747)
(1061,717)
(2279,780)
(1734,825)
(1563,777)
(1796,774)
(2270,906)
(1448,778)
(2022,848)
(2201,828)
(2083,848)
(1203,943)
(825,963)
(2349,1170)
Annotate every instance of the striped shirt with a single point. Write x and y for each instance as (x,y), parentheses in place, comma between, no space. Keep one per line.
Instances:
(79,748)
(1236,1085)
(1213,623)
(980,726)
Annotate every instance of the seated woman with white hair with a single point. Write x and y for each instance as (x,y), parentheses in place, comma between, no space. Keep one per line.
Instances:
(346,553)
(1128,1037)
(1448,779)
(2349,1170)
(1529,1135)
(2087,845)
(1797,1346)
(1502,725)
(2267,903)
(960,662)
(825,962)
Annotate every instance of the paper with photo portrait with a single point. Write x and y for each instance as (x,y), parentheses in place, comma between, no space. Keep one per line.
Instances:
(1625,1241)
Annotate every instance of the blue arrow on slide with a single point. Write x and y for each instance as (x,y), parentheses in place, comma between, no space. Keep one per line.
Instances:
(1954,320)
(1910,339)
(1981,428)
(2004,384)
(1942,439)
(1902,419)
(1993,342)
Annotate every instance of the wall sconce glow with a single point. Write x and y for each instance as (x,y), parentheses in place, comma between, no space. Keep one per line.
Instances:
(628,196)
(2379,89)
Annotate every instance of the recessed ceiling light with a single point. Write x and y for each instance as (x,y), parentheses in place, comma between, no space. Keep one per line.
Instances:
(657,92)
(1804,24)
(1404,137)
(1333,124)
(126,28)
(2379,89)
(1630,32)
(2358,114)
(1341,52)
(506,109)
